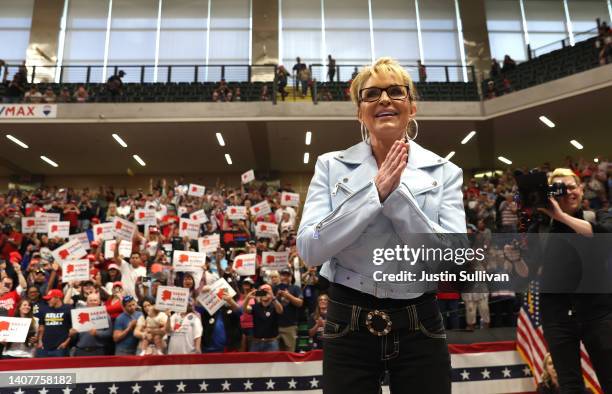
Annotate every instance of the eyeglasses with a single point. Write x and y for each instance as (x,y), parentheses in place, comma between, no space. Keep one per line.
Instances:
(395,92)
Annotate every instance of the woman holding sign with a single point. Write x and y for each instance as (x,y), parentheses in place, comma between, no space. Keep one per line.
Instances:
(26,349)
(373,196)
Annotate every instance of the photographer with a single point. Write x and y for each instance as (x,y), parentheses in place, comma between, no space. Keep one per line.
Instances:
(570,318)
(265,311)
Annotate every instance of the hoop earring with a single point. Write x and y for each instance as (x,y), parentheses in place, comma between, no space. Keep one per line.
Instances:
(416,128)
(365,134)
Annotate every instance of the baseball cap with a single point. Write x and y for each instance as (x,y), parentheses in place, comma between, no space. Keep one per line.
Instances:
(113,266)
(285,271)
(53,293)
(248,280)
(126,299)
(15,257)
(118,284)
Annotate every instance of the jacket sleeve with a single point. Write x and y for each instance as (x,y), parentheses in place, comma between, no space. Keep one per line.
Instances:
(324,232)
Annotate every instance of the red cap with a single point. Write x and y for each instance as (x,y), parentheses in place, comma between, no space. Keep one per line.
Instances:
(15,257)
(115,284)
(113,266)
(95,244)
(95,220)
(54,293)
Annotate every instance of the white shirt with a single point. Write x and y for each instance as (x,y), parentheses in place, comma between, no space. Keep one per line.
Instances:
(184,331)
(129,275)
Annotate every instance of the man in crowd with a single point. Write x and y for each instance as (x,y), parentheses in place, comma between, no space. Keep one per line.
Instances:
(123,334)
(290,296)
(54,327)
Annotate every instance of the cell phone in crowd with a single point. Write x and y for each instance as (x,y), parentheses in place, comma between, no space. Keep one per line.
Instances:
(261,293)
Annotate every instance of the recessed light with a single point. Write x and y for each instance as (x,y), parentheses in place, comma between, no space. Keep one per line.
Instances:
(547,121)
(228,158)
(49,161)
(596,160)
(17,141)
(119,140)
(139,160)
(468,137)
(220,139)
(308,137)
(306,157)
(450,155)
(576,144)
(504,160)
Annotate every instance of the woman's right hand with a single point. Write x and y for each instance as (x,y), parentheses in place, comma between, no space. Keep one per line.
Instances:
(390,172)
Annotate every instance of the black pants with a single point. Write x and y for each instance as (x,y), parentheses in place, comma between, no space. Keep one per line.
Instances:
(417,359)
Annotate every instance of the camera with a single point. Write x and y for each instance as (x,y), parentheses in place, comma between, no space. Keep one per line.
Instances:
(261,293)
(534,189)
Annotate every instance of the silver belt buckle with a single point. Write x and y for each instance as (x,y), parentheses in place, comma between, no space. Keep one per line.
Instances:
(378,323)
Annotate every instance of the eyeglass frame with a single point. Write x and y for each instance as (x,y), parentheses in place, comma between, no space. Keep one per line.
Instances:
(385,90)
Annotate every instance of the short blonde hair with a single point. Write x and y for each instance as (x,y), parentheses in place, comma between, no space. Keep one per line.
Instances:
(384,65)
(561,173)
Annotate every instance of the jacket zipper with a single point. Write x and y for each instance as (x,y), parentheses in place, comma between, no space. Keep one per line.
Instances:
(329,217)
(418,210)
(340,185)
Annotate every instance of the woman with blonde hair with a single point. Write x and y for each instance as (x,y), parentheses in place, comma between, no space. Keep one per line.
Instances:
(549,383)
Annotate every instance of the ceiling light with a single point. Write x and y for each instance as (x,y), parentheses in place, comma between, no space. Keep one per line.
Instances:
(228,158)
(596,160)
(468,137)
(119,140)
(220,139)
(17,141)
(308,137)
(576,144)
(139,160)
(49,161)
(504,160)
(306,157)
(547,121)
(450,155)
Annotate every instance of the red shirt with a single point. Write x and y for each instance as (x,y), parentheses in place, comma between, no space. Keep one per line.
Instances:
(7,247)
(9,302)
(73,218)
(113,309)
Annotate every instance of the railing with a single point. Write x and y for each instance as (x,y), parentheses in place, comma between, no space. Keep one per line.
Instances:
(435,73)
(553,46)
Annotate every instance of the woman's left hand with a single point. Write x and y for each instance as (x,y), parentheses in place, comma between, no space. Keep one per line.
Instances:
(554,211)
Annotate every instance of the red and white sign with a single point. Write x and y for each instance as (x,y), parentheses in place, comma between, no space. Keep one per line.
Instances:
(84,319)
(28,225)
(196,190)
(236,212)
(71,250)
(14,329)
(266,230)
(58,229)
(103,231)
(290,199)
(171,298)
(82,238)
(199,216)
(189,228)
(75,270)
(125,248)
(123,229)
(183,260)
(213,300)
(274,260)
(145,217)
(209,243)
(44,218)
(248,176)
(28,111)
(261,209)
(244,265)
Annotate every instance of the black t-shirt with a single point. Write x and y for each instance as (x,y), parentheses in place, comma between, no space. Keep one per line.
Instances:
(265,321)
(290,312)
(57,322)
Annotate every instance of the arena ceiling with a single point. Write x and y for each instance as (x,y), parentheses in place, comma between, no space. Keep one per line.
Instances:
(279,146)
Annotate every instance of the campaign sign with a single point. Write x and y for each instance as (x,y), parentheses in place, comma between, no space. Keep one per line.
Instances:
(196,190)
(71,250)
(235,212)
(171,298)
(183,260)
(209,243)
(199,216)
(14,329)
(125,248)
(145,217)
(84,319)
(189,228)
(290,199)
(58,229)
(248,176)
(123,229)
(75,270)
(28,225)
(82,238)
(44,218)
(261,209)
(103,231)
(213,300)
(244,265)
(274,260)
(266,230)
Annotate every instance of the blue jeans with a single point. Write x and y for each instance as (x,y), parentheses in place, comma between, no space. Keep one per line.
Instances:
(52,353)
(257,346)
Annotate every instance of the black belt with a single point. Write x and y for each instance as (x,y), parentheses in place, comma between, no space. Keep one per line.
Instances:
(382,321)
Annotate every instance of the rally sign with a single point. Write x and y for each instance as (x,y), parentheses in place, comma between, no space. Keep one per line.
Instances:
(235,212)
(71,250)
(58,229)
(44,218)
(171,298)
(28,225)
(248,176)
(82,238)
(28,111)
(212,300)
(123,229)
(103,231)
(84,319)
(274,260)
(199,216)
(189,228)
(75,270)
(290,199)
(125,248)
(261,209)
(145,217)
(266,230)
(183,260)
(196,190)
(209,243)
(14,329)
(244,265)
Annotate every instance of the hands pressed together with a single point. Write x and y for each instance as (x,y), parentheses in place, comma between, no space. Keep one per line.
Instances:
(390,172)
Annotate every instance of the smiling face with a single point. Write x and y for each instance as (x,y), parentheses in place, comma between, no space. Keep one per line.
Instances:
(570,203)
